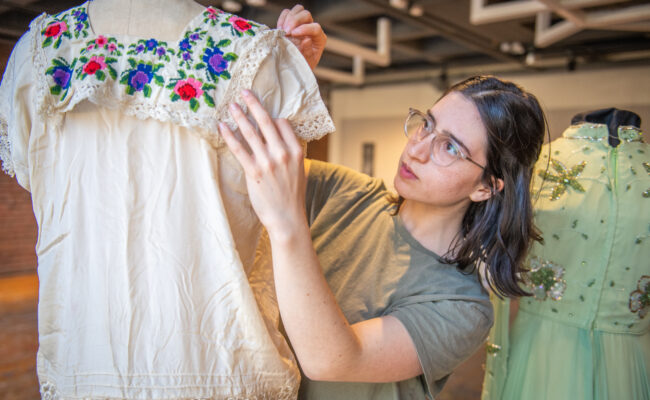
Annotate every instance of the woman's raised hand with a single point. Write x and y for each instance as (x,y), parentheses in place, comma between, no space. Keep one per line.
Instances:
(306,34)
(274,166)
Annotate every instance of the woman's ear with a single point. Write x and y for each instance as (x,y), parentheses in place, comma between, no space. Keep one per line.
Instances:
(485,191)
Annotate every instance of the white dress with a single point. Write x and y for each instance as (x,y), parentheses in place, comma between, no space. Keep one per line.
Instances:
(153,283)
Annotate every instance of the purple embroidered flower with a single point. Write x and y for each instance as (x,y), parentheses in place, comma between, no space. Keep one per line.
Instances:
(215,61)
(79,27)
(61,76)
(185,44)
(194,37)
(140,77)
(80,15)
(186,56)
(151,44)
(139,49)
(161,51)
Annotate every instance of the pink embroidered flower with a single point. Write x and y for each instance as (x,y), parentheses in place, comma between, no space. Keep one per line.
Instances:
(56,29)
(112,47)
(212,13)
(90,47)
(240,24)
(188,89)
(101,41)
(96,63)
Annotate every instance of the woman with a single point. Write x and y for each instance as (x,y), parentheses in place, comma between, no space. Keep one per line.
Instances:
(380,297)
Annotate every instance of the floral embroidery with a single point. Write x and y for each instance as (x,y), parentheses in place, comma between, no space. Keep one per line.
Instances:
(58,29)
(545,279)
(198,62)
(640,298)
(215,61)
(61,73)
(188,88)
(240,26)
(563,178)
(138,78)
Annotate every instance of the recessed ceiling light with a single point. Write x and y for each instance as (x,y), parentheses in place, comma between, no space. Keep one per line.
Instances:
(256,3)
(416,10)
(401,4)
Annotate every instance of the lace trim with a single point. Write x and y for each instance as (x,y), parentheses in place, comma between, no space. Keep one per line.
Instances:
(5,149)
(287,392)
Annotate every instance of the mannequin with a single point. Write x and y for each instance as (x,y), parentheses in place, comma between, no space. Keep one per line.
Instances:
(160,19)
(584,334)
(154,271)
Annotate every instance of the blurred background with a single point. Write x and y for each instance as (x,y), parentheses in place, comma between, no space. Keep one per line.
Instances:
(383,56)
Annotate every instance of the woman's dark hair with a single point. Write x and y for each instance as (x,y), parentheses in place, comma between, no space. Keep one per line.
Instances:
(498,232)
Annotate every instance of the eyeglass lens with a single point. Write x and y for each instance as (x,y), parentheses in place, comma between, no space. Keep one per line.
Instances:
(444,150)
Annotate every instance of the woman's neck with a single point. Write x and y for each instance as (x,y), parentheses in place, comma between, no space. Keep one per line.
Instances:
(432,227)
(160,19)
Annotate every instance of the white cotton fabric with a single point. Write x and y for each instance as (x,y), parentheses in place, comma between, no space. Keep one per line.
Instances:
(153,283)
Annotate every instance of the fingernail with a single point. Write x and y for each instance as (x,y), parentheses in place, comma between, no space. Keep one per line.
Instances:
(233,106)
(246,93)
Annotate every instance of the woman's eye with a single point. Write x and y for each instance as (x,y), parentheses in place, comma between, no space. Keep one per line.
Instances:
(451,148)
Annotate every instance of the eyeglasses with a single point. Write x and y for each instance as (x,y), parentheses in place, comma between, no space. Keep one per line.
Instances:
(444,148)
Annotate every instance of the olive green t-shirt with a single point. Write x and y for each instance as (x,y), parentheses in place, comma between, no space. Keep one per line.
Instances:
(376,268)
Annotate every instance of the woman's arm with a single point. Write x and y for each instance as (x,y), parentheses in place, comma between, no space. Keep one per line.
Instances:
(326,345)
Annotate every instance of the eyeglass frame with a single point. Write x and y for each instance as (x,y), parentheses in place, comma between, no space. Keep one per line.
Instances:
(434,133)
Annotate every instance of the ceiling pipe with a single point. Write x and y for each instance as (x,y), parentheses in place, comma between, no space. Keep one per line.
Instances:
(359,55)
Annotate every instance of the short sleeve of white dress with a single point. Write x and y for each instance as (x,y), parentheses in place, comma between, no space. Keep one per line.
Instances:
(16,105)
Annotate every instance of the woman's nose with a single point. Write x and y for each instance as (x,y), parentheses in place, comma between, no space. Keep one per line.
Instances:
(419,149)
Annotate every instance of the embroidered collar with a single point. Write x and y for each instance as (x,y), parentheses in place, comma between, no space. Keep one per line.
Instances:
(200,61)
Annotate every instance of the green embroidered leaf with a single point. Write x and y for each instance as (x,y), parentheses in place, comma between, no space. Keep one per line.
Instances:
(175,97)
(157,67)
(194,104)
(47,42)
(182,74)
(112,72)
(59,62)
(83,59)
(55,90)
(132,63)
(225,75)
(100,75)
(158,80)
(207,86)
(208,99)
(250,32)
(224,42)
(130,90)
(210,42)
(230,57)
(57,43)
(111,60)
(124,79)
(199,66)
(147,91)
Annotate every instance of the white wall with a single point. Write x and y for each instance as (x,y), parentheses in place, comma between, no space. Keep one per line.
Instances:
(376,114)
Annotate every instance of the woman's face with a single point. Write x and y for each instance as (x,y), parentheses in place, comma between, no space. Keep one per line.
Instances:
(454,186)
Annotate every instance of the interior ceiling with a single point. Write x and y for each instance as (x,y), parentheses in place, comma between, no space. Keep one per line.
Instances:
(449,37)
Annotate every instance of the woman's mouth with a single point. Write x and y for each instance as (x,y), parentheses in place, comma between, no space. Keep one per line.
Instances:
(405,172)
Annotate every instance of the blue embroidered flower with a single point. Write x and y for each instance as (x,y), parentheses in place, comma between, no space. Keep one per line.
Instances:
(61,76)
(80,15)
(215,61)
(140,77)
(185,44)
(187,56)
(194,37)
(161,51)
(151,44)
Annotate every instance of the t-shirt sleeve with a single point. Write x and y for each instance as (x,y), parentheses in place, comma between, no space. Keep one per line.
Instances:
(445,333)
(327,181)
(16,111)
(287,88)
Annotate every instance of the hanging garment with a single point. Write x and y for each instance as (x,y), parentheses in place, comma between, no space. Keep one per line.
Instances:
(154,282)
(585,333)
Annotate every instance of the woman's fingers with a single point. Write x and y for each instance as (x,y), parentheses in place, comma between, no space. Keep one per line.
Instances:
(236,148)
(264,121)
(248,131)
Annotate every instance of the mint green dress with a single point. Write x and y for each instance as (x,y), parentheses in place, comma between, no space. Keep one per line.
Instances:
(585,334)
